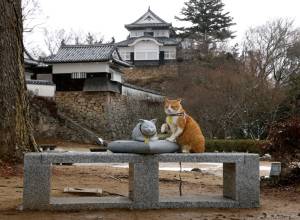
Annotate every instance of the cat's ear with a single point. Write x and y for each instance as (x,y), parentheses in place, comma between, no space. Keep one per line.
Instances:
(154,120)
(179,100)
(141,120)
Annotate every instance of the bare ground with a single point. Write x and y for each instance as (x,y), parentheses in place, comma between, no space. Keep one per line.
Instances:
(281,203)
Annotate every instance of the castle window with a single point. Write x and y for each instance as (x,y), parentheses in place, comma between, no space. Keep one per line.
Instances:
(147,55)
(170,55)
(78,75)
(125,55)
(148,34)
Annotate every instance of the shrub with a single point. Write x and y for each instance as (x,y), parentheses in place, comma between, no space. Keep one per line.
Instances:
(284,142)
(251,146)
(239,145)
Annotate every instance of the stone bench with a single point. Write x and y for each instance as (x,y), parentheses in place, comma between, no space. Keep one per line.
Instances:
(240,181)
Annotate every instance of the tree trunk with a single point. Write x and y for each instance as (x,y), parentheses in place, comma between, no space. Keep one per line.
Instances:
(15,127)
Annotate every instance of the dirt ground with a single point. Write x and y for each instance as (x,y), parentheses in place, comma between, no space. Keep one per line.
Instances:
(276,203)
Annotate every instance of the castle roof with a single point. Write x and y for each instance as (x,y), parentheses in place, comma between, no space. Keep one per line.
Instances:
(148,20)
(28,59)
(163,40)
(87,53)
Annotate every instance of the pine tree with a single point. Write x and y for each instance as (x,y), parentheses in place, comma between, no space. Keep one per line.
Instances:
(209,23)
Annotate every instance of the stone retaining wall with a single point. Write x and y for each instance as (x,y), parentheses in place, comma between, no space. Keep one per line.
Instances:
(109,115)
(48,124)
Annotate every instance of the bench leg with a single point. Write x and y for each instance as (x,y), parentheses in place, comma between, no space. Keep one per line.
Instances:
(247,182)
(144,183)
(36,194)
(241,181)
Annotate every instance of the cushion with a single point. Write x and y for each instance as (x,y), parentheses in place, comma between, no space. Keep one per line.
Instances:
(139,147)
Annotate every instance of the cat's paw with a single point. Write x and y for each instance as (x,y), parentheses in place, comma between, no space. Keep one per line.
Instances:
(185,151)
(171,139)
(164,128)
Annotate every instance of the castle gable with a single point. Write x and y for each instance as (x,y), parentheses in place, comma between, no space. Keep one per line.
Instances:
(148,20)
(149,17)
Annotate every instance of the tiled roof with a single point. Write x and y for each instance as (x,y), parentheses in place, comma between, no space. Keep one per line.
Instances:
(86,53)
(138,25)
(142,89)
(147,25)
(164,40)
(83,53)
(32,62)
(28,59)
(39,82)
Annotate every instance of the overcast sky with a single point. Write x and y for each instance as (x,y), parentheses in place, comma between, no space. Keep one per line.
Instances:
(109,16)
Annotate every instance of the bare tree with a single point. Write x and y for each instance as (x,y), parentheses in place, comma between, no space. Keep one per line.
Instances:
(15,128)
(54,38)
(226,100)
(31,11)
(266,50)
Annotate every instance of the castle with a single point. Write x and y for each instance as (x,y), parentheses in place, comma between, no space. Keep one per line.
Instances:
(150,41)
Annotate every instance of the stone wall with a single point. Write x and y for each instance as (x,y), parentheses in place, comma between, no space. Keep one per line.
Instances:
(86,108)
(49,124)
(124,113)
(109,115)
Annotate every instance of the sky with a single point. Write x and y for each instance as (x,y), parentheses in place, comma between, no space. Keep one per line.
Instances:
(108,17)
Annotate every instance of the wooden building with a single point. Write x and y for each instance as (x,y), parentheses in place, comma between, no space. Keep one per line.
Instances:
(96,67)
(36,69)
(38,76)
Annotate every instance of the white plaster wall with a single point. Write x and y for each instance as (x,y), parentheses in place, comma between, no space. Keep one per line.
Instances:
(80,67)
(47,77)
(42,90)
(28,75)
(168,48)
(146,50)
(123,50)
(171,49)
(157,33)
(138,94)
(161,33)
(115,75)
(136,33)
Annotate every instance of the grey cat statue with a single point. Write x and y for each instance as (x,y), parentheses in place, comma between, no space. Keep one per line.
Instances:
(145,131)
(144,140)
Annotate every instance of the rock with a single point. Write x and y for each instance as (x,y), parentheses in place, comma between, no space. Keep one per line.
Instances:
(267,157)
(196,170)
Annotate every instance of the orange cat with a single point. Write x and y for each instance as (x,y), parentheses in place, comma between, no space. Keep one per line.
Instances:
(185,130)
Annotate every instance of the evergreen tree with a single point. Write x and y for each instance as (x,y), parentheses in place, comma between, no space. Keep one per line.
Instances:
(209,22)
